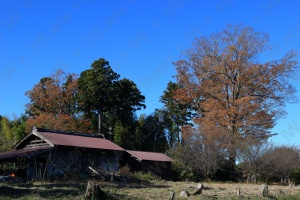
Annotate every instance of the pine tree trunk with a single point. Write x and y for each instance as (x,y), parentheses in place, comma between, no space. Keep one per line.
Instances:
(99,123)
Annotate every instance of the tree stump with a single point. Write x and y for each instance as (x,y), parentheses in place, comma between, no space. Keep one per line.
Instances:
(198,189)
(93,190)
(172,195)
(184,194)
(264,190)
(238,192)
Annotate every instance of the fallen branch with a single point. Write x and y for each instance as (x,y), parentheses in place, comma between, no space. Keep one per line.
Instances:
(103,177)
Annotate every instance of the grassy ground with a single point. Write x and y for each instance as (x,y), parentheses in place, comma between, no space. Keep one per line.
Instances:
(143,190)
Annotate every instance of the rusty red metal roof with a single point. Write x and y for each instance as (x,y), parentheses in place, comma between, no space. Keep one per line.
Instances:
(152,156)
(76,140)
(24,153)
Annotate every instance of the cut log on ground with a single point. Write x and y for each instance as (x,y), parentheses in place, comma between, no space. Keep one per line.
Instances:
(184,194)
(198,189)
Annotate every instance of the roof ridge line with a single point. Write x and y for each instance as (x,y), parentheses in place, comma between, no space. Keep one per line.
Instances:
(68,132)
(144,151)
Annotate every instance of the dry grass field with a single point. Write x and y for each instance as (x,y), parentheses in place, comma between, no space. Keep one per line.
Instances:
(162,189)
(148,190)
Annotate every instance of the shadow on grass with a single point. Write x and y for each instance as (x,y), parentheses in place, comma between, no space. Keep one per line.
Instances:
(55,191)
(78,186)
(112,195)
(7,191)
(18,191)
(208,188)
(40,190)
(139,186)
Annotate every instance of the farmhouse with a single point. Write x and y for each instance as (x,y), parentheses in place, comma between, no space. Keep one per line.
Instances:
(46,154)
(152,162)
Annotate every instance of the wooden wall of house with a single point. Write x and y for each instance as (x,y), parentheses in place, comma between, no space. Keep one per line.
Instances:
(158,168)
(131,162)
(161,169)
(36,167)
(73,161)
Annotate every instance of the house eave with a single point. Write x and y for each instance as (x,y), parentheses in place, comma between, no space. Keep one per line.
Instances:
(33,132)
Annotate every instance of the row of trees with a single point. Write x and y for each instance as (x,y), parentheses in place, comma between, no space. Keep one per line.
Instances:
(224,100)
(11,131)
(91,102)
(264,162)
(268,162)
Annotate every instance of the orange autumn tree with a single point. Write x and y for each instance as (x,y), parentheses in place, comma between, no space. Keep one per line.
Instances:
(222,75)
(53,104)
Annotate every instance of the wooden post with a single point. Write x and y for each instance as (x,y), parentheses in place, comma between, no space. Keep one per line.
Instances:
(112,177)
(264,190)
(238,192)
(291,184)
(172,195)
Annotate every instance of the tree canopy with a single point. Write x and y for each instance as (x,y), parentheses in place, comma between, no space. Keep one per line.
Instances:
(53,104)
(222,75)
(177,112)
(106,98)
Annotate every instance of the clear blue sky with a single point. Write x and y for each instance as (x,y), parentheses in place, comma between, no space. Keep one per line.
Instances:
(139,38)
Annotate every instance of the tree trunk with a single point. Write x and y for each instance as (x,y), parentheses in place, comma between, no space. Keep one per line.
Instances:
(232,150)
(231,164)
(99,123)
(178,134)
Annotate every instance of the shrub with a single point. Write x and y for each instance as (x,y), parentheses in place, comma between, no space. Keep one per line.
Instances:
(296,176)
(124,171)
(145,176)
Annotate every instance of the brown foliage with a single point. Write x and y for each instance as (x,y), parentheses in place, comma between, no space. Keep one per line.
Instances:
(55,94)
(61,122)
(268,162)
(201,153)
(53,104)
(222,76)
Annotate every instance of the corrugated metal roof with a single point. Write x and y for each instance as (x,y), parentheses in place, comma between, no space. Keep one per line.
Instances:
(152,156)
(27,152)
(77,140)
